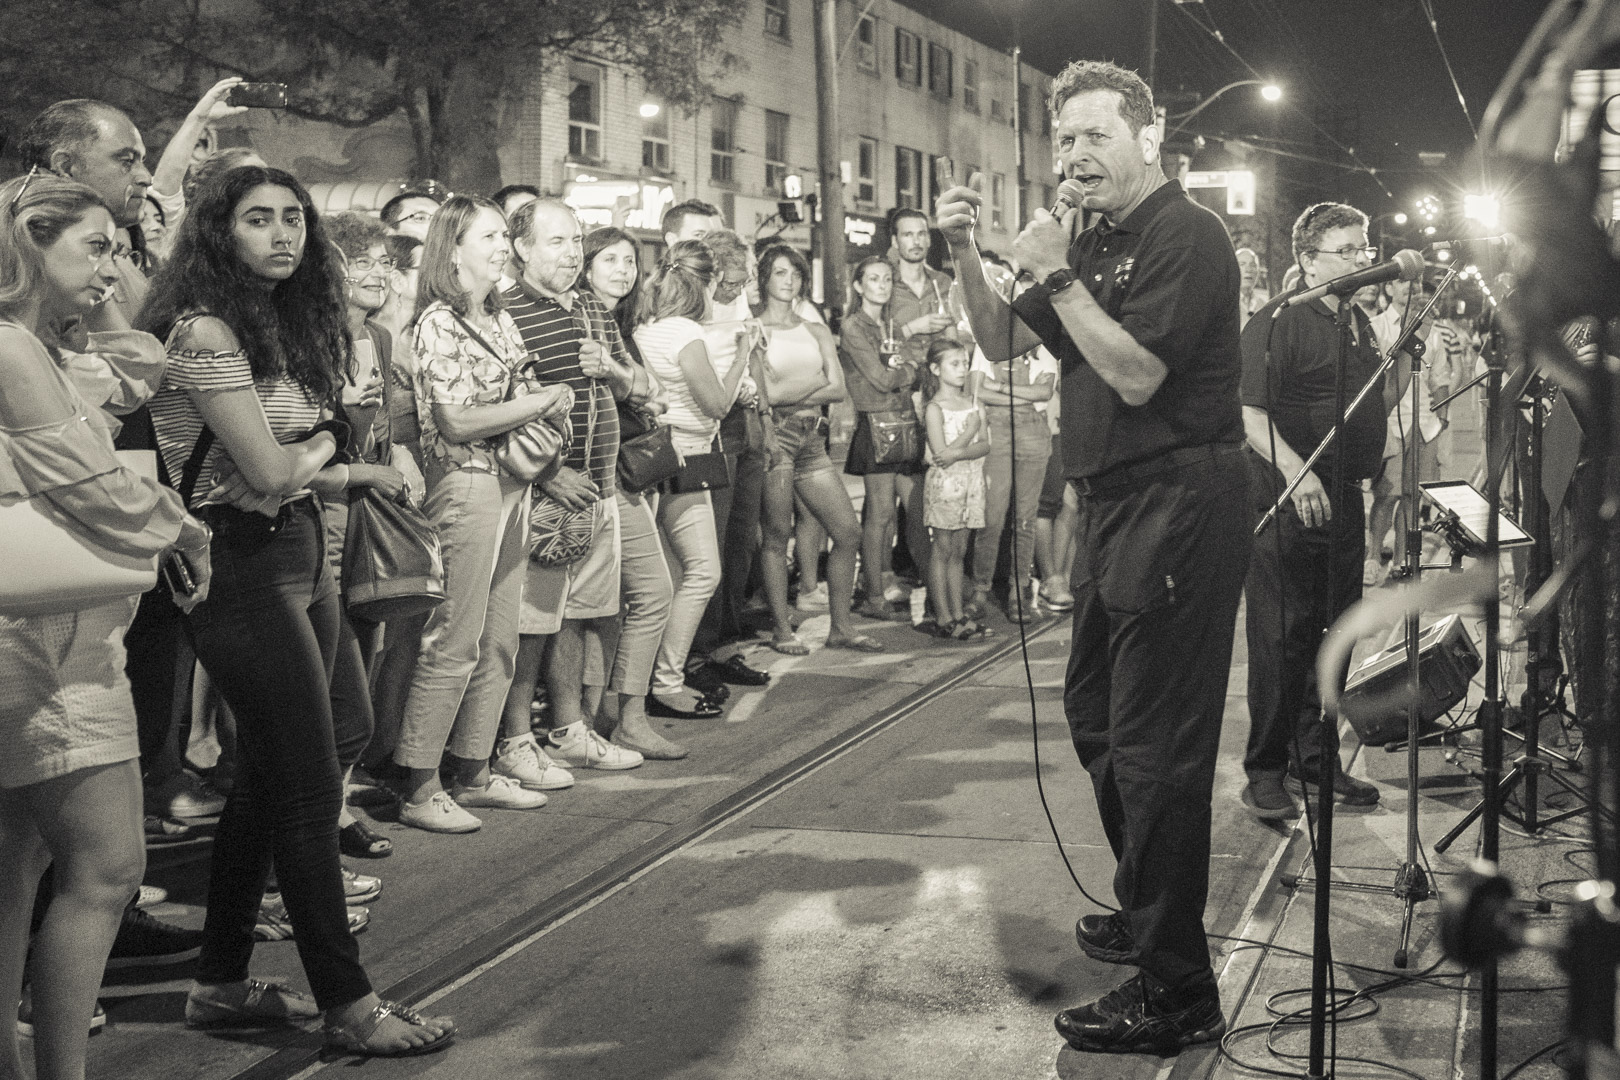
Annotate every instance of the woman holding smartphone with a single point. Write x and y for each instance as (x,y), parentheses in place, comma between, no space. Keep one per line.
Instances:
(250,304)
(70,781)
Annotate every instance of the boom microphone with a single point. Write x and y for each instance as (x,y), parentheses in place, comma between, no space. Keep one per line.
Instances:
(1407,265)
(1492,245)
(1068,197)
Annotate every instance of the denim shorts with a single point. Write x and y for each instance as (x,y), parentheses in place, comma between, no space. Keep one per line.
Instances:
(801,442)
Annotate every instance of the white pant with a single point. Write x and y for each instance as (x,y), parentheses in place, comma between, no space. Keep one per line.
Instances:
(692,550)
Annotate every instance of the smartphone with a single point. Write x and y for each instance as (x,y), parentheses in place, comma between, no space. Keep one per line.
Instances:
(944,173)
(177,574)
(258,95)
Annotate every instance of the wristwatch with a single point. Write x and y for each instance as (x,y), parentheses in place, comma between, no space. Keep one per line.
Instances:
(1058,280)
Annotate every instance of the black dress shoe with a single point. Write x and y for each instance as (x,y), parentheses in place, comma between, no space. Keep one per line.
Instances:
(1106,938)
(705,709)
(707,681)
(1136,1017)
(734,671)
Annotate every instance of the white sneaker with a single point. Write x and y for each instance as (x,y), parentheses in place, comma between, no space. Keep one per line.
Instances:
(185,795)
(439,814)
(583,748)
(501,793)
(814,600)
(151,896)
(521,758)
(360,888)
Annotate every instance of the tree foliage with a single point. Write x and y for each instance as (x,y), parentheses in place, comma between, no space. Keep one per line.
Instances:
(449,66)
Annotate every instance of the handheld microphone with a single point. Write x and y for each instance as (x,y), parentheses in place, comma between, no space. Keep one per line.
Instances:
(1068,197)
(1492,245)
(1406,264)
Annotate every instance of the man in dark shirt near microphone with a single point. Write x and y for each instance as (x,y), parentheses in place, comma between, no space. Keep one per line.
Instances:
(1142,311)
(1290,403)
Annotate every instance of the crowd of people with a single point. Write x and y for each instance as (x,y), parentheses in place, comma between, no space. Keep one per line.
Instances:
(507,376)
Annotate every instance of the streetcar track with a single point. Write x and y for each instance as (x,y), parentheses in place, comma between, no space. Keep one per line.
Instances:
(467,962)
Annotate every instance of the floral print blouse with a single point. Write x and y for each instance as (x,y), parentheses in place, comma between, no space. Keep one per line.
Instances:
(456,366)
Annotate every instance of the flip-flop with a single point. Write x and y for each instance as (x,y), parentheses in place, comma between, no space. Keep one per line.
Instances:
(790,646)
(858,643)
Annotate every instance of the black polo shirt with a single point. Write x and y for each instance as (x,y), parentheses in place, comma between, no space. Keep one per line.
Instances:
(1168,275)
(1300,392)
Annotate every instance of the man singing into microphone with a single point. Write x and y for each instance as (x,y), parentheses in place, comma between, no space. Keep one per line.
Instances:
(1290,403)
(1142,311)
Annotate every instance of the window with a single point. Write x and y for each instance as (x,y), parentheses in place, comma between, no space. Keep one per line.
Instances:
(655,140)
(1032,112)
(998,111)
(998,201)
(970,85)
(776,18)
(939,70)
(907,178)
(723,141)
(1025,121)
(776,149)
(866,171)
(907,57)
(584,111)
(866,44)
(1026,211)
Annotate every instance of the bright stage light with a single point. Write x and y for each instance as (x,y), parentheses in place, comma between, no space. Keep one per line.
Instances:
(1271,92)
(1400,219)
(1485,209)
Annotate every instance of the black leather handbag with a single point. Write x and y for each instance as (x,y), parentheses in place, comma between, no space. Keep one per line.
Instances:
(701,472)
(393,565)
(647,454)
(896,437)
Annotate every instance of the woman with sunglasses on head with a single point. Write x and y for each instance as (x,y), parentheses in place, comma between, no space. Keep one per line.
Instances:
(468,354)
(250,302)
(70,784)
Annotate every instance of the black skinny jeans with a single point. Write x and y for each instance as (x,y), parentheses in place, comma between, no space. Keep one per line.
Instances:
(1158,570)
(268,636)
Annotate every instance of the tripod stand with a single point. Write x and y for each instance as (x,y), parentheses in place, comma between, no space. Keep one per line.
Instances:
(1532,765)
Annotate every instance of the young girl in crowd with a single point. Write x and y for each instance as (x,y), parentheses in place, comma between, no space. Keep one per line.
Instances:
(251,304)
(953,491)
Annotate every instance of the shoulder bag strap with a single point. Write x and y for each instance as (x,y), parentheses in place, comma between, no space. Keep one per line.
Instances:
(194,464)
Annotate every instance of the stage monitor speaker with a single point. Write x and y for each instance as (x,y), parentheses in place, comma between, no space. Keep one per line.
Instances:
(1375,697)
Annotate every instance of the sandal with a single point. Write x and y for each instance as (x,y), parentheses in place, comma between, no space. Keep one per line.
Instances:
(360,841)
(790,646)
(881,610)
(858,643)
(351,1038)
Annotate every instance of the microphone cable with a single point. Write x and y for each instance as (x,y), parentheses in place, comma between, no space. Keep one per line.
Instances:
(1018,588)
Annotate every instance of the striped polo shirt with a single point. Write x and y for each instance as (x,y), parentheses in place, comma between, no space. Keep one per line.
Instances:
(552,335)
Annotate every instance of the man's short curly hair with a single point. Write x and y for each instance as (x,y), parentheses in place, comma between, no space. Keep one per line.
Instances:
(1319,220)
(1083,76)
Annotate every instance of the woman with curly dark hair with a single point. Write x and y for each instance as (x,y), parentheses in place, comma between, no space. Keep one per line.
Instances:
(251,305)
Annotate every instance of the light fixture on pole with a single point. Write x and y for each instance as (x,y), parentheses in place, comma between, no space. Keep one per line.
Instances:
(1270,91)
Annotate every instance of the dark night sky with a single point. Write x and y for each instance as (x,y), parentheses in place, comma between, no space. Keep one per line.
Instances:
(1369,71)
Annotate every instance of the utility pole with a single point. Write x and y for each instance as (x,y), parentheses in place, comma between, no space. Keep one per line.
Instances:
(1152,42)
(831,202)
(1018,138)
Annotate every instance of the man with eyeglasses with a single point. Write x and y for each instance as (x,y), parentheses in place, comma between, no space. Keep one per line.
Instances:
(1290,403)
(410,213)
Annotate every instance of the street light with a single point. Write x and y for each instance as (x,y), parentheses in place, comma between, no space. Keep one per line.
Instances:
(649,109)
(1268,90)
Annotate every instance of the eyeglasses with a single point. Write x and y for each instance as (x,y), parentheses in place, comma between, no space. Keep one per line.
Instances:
(33,171)
(1348,253)
(112,251)
(365,265)
(421,217)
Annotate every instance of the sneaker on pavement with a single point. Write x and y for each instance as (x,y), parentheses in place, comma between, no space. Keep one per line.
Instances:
(1346,789)
(581,748)
(501,793)
(185,795)
(439,813)
(360,888)
(1137,1016)
(520,758)
(1106,938)
(274,924)
(1268,800)
(143,941)
(249,1003)
(814,600)
(151,896)
(25,1015)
